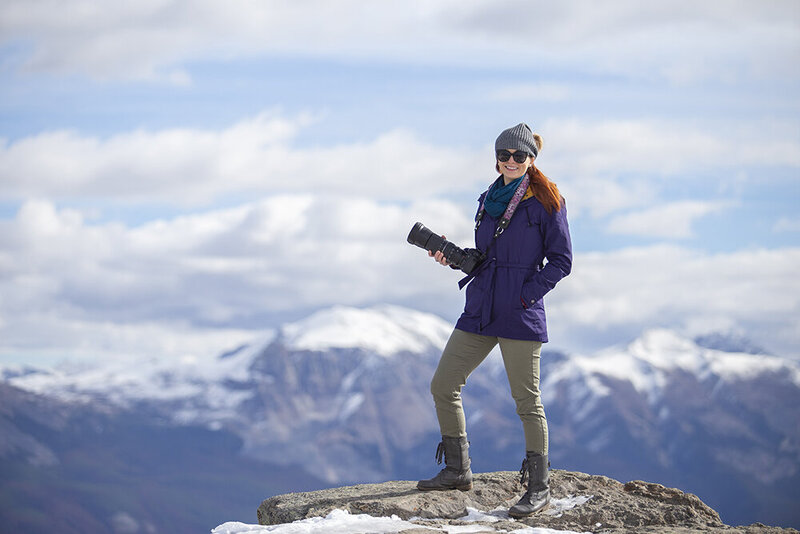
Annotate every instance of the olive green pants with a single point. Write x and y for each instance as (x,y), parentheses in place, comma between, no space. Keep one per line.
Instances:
(462,354)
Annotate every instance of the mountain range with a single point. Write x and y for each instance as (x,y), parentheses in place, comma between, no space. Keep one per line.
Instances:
(342,397)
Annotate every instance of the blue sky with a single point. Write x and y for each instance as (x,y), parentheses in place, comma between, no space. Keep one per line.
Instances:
(176,177)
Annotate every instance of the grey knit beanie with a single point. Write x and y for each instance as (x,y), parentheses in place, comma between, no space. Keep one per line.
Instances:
(519,137)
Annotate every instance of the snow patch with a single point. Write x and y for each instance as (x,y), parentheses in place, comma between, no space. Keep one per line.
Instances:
(343,522)
(350,406)
(488,517)
(339,521)
(559,506)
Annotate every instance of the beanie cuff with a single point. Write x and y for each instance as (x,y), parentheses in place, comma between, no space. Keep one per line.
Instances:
(519,137)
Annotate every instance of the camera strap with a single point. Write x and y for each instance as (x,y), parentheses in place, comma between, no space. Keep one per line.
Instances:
(522,188)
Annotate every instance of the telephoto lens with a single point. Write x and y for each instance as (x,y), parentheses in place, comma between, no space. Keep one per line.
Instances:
(466,260)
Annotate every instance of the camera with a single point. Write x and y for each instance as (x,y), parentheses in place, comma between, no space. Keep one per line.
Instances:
(464,259)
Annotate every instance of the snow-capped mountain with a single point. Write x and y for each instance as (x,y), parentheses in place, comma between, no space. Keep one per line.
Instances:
(344,396)
(652,363)
(194,390)
(383,330)
(340,374)
(725,425)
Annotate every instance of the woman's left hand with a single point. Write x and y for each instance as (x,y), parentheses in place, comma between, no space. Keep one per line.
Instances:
(439,256)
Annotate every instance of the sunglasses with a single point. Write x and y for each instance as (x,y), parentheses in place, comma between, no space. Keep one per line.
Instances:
(519,156)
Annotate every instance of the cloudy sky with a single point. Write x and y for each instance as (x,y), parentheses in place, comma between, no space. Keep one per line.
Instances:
(177,177)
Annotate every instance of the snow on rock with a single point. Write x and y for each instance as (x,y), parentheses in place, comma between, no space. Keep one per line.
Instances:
(384,330)
(343,522)
(338,521)
(579,503)
(559,506)
(350,406)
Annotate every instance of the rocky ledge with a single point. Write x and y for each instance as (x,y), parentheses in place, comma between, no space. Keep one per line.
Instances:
(580,502)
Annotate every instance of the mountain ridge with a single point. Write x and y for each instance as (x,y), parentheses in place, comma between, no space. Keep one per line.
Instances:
(358,409)
(381,330)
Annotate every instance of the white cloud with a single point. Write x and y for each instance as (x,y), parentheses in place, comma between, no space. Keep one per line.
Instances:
(607,166)
(200,282)
(664,148)
(339,236)
(50,338)
(224,268)
(255,155)
(672,220)
(679,41)
(603,167)
(188,164)
(149,39)
(622,292)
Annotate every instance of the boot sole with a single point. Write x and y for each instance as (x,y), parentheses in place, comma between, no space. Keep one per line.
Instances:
(519,516)
(459,488)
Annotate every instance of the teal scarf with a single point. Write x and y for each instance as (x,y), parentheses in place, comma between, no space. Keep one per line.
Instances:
(499,195)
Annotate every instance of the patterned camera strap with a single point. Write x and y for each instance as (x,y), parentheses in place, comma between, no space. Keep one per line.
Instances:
(510,209)
(501,226)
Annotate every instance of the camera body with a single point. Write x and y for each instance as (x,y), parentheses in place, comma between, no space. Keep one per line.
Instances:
(465,259)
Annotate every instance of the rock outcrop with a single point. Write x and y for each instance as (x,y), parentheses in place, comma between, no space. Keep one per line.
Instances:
(581,503)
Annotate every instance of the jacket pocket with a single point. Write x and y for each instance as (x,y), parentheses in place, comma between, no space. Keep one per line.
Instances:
(475,297)
(515,296)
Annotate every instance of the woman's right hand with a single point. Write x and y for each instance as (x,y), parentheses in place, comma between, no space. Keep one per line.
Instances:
(439,256)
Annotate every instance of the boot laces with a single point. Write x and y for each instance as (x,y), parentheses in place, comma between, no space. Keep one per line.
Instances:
(440,452)
(523,472)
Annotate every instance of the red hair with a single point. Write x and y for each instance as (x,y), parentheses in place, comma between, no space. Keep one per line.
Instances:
(544,190)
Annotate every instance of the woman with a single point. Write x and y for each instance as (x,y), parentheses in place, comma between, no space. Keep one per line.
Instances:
(522,219)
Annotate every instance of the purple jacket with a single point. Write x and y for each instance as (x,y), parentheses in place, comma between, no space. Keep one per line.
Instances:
(505,298)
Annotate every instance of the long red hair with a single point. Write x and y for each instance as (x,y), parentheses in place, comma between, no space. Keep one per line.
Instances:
(544,190)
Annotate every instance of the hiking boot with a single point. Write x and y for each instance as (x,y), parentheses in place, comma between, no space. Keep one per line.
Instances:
(456,474)
(535,470)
